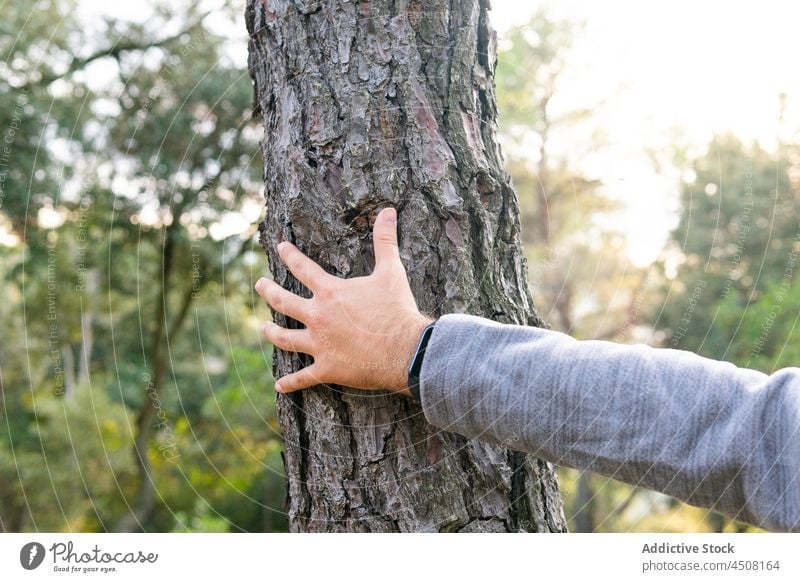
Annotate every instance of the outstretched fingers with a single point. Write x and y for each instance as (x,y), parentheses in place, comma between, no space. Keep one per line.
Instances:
(384,239)
(283,301)
(289,340)
(304,269)
(300,380)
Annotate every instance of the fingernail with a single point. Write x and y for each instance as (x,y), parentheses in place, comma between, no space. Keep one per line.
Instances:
(265,327)
(391,216)
(278,387)
(282,245)
(260,284)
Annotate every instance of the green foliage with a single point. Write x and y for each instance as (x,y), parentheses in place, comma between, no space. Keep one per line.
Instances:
(583,282)
(530,60)
(130,185)
(231,451)
(69,464)
(767,335)
(735,241)
(731,291)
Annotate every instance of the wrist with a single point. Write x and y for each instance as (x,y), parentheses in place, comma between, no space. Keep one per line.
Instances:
(405,350)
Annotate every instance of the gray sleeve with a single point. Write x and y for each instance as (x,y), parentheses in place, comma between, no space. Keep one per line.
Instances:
(703,431)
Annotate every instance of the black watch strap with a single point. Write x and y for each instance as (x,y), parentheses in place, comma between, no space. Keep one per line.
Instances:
(415,368)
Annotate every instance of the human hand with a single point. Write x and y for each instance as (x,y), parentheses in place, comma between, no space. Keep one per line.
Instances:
(361,332)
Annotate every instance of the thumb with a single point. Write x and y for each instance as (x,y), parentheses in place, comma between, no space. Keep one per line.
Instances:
(384,237)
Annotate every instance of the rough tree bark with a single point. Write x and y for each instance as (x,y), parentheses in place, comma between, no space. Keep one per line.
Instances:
(391,102)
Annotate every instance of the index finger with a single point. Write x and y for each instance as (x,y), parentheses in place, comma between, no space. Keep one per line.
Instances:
(304,269)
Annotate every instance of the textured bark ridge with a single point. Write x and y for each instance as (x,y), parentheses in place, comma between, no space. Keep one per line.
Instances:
(391,102)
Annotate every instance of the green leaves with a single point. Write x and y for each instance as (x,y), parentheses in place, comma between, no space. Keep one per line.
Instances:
(138,137)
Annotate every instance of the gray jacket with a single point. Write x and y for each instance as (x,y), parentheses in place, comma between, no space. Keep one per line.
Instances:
(703,431)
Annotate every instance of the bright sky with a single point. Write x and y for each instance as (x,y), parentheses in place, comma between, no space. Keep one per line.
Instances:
(666,70)
(665,73)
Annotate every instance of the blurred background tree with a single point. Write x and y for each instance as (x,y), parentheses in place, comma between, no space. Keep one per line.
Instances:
(583,281)
(729,287)
(737,233)
(585,284)
(136,392)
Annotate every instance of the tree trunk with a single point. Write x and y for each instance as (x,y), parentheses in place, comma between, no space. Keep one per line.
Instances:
(365,105)
(87,324)
(585,502)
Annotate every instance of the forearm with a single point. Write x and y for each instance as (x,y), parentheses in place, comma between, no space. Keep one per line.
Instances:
(703,431)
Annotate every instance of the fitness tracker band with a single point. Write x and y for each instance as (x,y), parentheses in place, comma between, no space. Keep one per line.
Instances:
(415,368)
